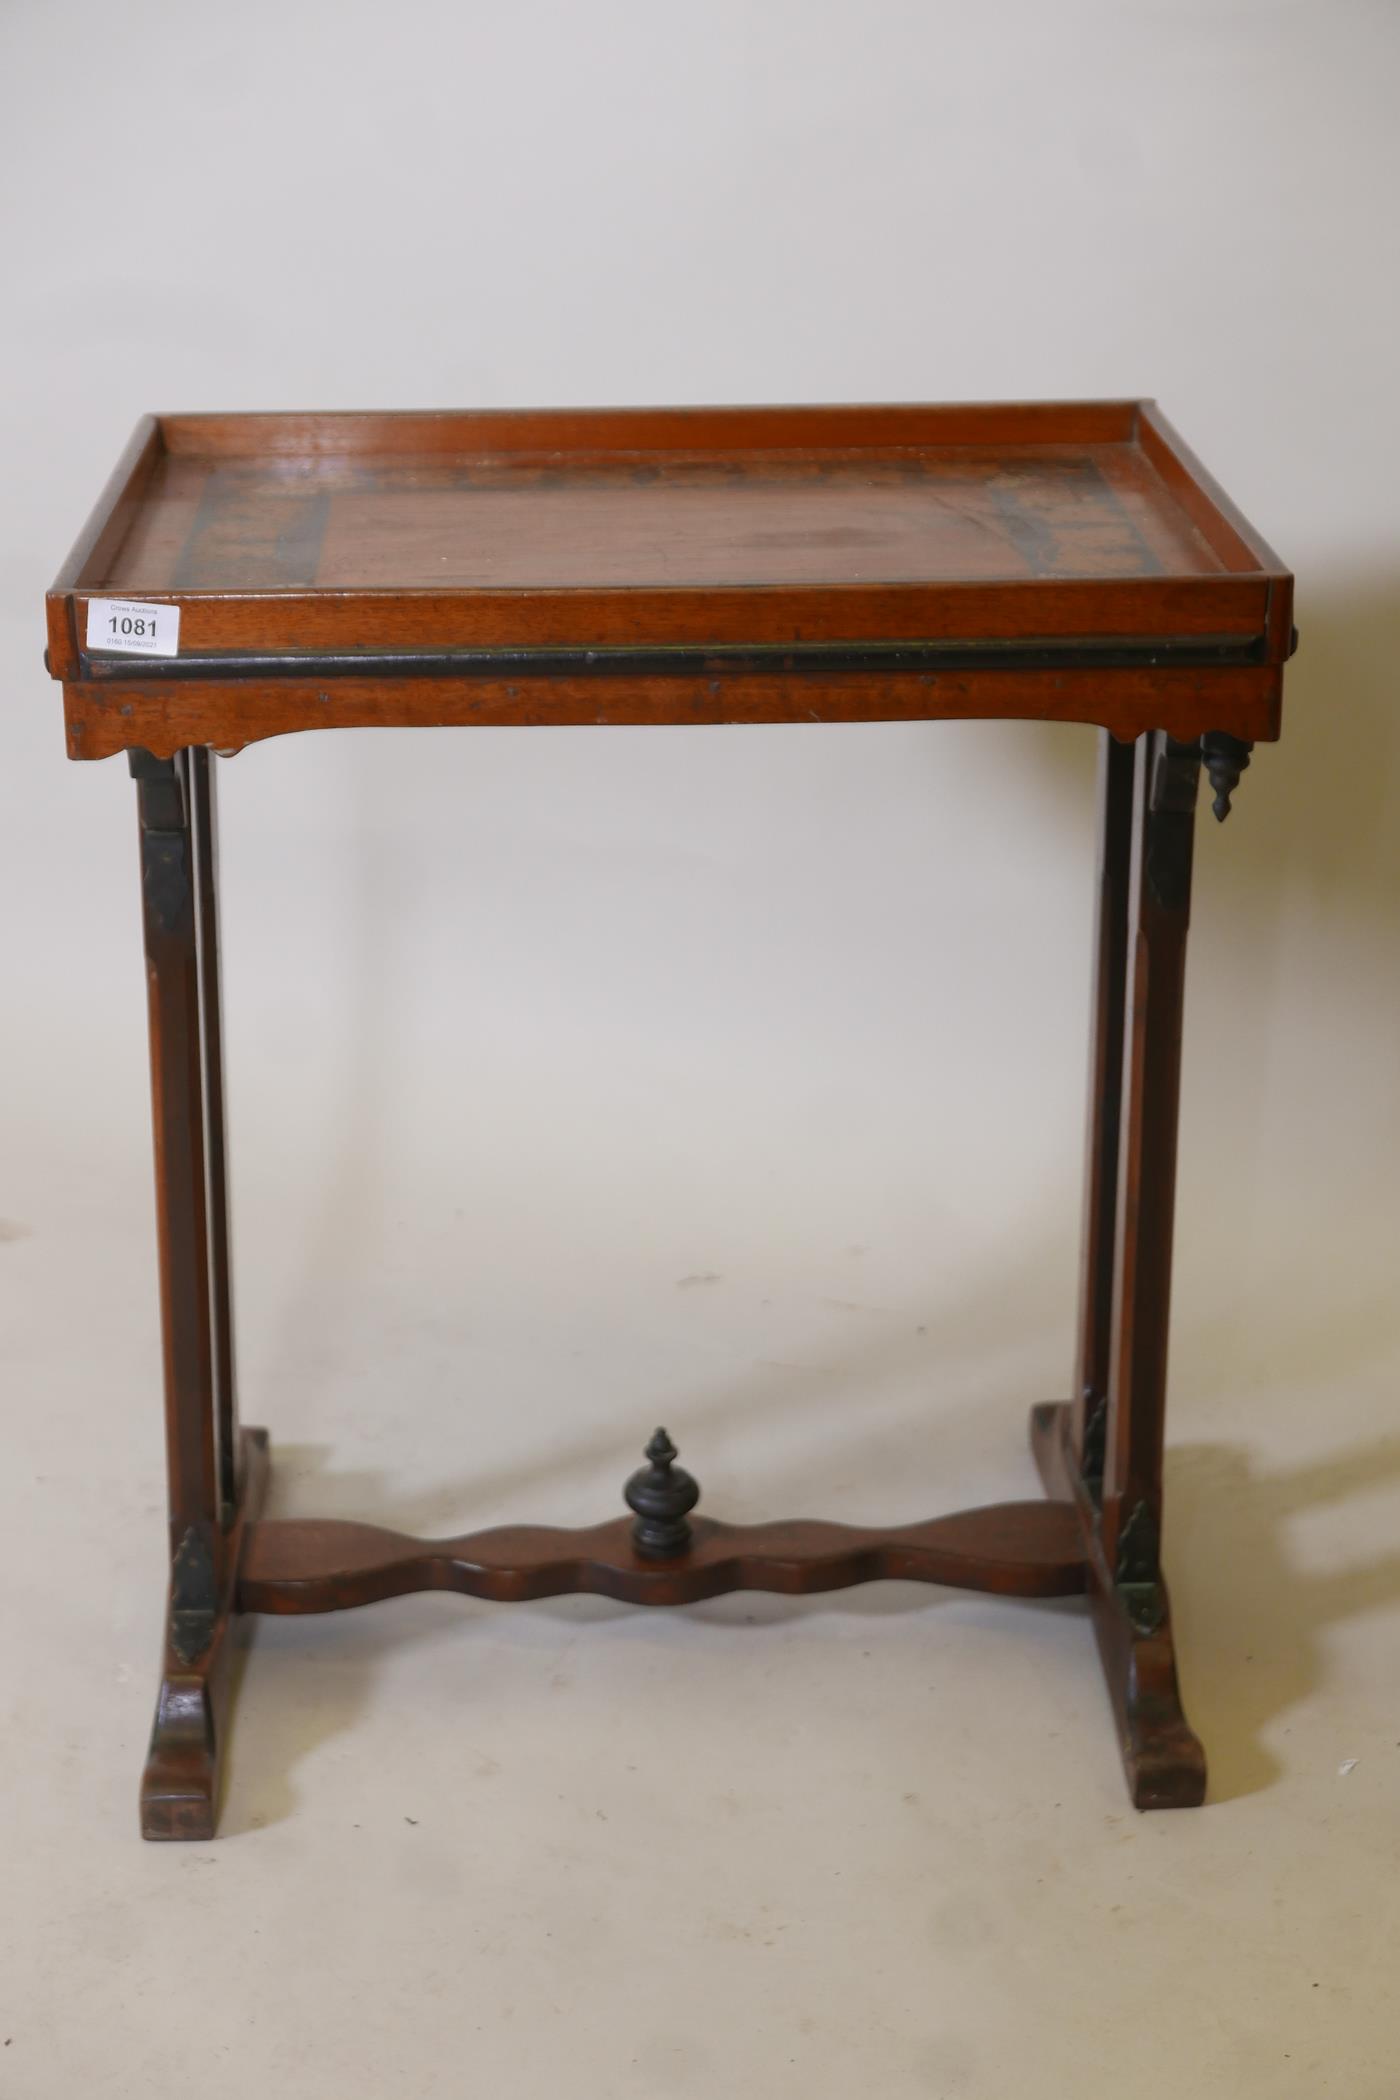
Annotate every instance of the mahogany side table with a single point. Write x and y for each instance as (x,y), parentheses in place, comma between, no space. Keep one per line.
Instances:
(244,576)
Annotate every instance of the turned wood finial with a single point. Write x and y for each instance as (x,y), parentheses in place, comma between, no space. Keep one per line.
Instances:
(1225,759)
(662,1494)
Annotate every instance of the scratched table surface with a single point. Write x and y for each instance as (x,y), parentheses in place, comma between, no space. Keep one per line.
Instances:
(961,513)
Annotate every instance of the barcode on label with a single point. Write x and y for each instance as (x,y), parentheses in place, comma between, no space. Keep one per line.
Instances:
(131,629)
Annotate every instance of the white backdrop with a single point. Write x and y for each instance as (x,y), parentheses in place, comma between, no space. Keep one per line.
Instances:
(728,1077)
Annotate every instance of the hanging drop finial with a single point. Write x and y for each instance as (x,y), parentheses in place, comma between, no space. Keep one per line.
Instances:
(1225,759)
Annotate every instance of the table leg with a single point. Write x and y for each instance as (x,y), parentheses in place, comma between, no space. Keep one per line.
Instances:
(1115,827)
(204,822)
(1115,1475)
(204,1458)
(1159,909)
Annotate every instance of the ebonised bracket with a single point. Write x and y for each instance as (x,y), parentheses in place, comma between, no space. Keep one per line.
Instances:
(166,874)
(194,1594)
(1095,1450)
(1138,1571)
(1131,1612)
(1171,816)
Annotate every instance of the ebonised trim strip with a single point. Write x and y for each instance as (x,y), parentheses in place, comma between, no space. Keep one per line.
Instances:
(1089,653)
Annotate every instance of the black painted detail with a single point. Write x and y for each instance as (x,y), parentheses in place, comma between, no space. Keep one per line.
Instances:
(145,768)
(1138,1575)
(194,1595)
(662,1495)
(1050,653)
(1226,758)
(165,876)
(165,856)
(1094,1454)
(1171,815)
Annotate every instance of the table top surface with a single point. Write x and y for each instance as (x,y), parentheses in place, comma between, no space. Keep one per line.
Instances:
(630,521)
(432,542)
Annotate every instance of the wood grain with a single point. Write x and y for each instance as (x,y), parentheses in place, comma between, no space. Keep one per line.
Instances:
(107,717)
(1103,1117)
(301,435)
(1163,1759)
(1024,1549)
(174,991)
(1061,562)
(654,522)
(183,1773)
(313,541)
(1158,918)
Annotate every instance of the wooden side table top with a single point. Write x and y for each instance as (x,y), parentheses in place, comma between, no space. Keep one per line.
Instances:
(1056,561)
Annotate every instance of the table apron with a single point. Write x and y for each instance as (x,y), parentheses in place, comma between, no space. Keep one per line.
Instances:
(166,715)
